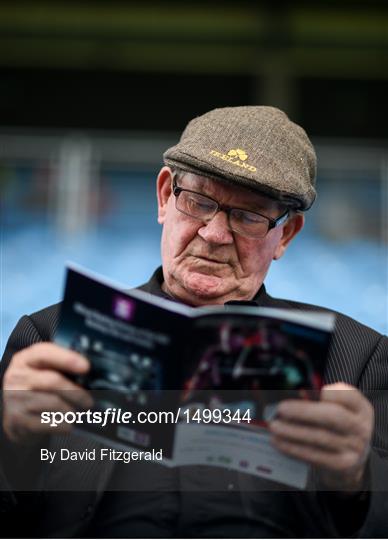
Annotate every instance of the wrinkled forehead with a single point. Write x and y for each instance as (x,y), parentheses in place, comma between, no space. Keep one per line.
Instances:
(225,192)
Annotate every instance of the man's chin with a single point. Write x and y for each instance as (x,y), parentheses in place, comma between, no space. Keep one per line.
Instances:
(206,287)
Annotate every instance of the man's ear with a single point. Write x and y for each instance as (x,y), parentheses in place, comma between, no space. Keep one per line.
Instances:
(290,229)
(163,192)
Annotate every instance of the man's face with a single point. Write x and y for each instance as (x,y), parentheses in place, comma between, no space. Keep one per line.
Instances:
(207,263)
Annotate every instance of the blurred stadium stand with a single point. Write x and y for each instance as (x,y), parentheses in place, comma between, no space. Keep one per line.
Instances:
(92,200)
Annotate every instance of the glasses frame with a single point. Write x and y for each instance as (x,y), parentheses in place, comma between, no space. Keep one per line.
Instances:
(272,223)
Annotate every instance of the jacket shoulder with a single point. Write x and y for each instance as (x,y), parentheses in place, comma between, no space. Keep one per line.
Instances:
(343,322)
(30,329)
(46,321)
(353,345)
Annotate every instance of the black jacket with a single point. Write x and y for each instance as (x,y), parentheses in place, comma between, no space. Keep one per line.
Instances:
(358,356)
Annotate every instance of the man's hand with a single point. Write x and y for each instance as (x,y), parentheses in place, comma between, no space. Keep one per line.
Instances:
(333,434)
(36,381)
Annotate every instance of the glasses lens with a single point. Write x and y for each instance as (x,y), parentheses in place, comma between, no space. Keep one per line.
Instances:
(248,223)
(196,205)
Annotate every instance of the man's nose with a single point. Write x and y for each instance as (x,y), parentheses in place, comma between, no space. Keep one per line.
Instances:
(217,231)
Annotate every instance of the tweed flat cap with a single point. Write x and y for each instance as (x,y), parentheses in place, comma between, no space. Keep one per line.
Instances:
(254,146)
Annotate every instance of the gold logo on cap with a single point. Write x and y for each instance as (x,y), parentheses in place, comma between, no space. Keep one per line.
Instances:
(235,156)
(240,154)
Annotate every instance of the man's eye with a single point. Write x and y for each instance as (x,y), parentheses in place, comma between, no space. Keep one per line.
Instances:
(200,205)
(247,218)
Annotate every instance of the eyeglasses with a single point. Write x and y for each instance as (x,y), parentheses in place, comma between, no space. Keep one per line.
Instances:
(241,221)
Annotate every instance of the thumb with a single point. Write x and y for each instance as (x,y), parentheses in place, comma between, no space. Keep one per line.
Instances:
(344,394)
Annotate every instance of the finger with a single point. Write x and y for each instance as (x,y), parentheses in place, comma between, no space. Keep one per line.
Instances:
(319,414)
(345,395)
(52,382)
(308,436)
(52,356)
(317,456)
(43,401)
(20,410)
(34,402)
(80,398)
(19,426)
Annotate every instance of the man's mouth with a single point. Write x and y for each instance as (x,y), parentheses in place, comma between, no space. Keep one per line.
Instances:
(209,259)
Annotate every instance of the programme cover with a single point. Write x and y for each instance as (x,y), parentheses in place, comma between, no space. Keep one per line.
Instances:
(218,372)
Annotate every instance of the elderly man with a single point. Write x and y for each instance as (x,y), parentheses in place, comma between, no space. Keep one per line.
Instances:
(231,197)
